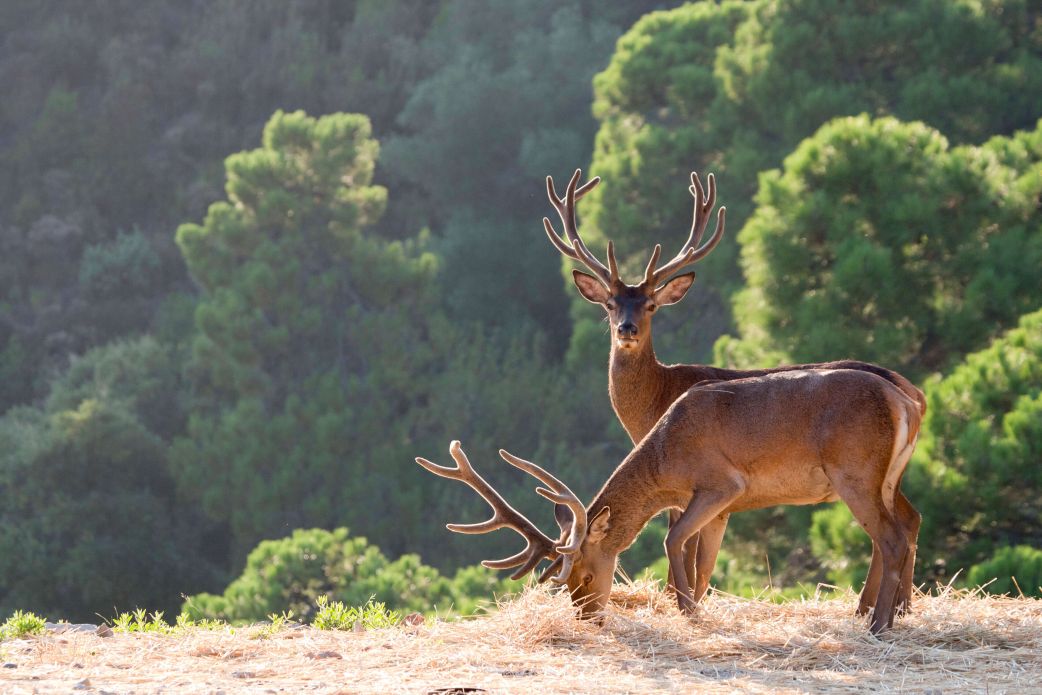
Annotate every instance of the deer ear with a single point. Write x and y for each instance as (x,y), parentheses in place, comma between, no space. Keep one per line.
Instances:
(599,526)
(590,287)
(674,290)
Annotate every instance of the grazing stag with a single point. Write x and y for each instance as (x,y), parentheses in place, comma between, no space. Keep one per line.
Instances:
(642,388)
(797,437)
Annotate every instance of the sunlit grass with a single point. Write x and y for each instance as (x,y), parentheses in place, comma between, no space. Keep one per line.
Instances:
(21,624)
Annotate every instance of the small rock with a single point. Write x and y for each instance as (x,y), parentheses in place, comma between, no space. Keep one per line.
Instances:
(82,685)
(325,655)
(103,631)
(358,627)
(10,665)
(243,674)
(414,619)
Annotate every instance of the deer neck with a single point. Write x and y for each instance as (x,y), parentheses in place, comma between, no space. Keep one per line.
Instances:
(636,379)
(633,498)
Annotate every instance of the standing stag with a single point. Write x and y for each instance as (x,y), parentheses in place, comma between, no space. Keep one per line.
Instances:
(797,437)
(642,388)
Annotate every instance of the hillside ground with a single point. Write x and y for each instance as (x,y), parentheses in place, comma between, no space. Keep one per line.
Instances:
(952,642)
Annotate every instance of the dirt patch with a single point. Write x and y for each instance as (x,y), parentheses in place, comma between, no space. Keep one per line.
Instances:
(953,642)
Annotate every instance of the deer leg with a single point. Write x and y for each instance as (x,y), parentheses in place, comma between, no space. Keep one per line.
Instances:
(691,550)
(705,505)
(674,516)
(871,588)
(889,537)
(690,553)
(709,540)
(911,520)
(896,548)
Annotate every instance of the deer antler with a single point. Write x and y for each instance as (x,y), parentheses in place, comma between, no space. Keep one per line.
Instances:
(576,249)
(559,493)
(689,253)
(538,544)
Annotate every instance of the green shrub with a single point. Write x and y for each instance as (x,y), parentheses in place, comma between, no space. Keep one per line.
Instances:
(1015,570)
(141,620)
(336,616)
(318,568)
(21,624)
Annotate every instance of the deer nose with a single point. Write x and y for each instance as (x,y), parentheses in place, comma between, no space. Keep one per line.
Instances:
(628,329)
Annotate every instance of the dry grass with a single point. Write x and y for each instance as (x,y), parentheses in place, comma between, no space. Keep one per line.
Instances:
(954,642)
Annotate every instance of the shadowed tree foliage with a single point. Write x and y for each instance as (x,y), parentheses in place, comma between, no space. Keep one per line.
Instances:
(89,517)
(300,365)
(323,363)
(507,104)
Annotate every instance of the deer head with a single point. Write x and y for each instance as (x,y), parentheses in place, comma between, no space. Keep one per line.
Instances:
(579,558)
(630,307)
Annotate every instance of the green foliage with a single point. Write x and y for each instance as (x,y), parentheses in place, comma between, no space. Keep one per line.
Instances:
(21,624)
(879,242)
(301,329)
(733,87)
(336,616)
(1011,570)
(311,567)
(656,106)
(975,474)
(126,265)
(142,376)
(89,517)
(841,545)
(141,621)
(313,391)
(16,373)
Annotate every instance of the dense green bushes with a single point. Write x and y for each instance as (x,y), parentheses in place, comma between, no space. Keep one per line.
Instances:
(292,574)
(975,474)
(89,517)
(878,241)
(1015,571)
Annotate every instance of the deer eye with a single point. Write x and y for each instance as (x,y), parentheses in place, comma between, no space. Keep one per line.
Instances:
(650,308)
(611,305)
(587,578)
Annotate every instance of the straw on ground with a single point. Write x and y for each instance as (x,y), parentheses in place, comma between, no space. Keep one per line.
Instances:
(954,641)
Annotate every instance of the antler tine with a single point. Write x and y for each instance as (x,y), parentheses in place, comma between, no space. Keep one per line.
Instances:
(703,206)
(691,252)
(613,265)
(649,272)
(538,545)
(576,249)
(561,494)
